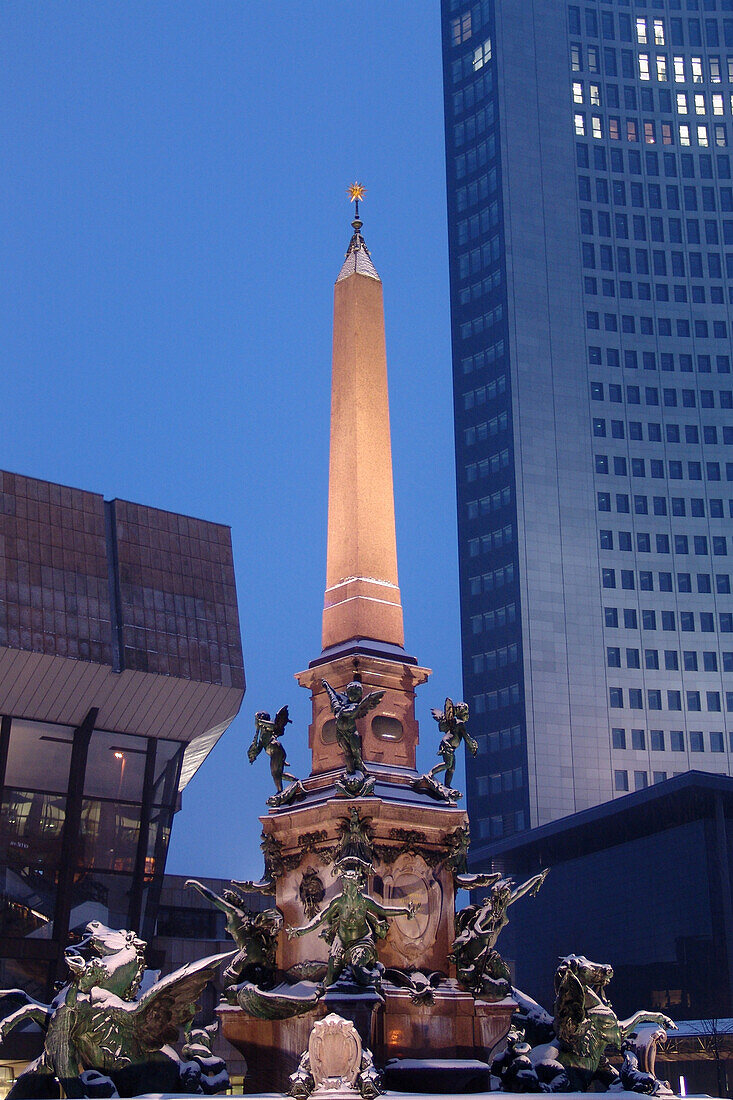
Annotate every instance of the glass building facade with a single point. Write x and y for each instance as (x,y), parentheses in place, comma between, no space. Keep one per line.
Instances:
(120,667)
(590,205)
(119,805)
(658,908)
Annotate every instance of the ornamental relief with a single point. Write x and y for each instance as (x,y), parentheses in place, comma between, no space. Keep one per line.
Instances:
(410,879)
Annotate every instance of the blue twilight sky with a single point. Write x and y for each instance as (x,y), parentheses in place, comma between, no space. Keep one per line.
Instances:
(173,216)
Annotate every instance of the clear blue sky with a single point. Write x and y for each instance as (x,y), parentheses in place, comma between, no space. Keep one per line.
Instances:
(173,217)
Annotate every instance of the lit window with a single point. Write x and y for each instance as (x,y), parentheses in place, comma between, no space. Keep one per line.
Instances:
(576,59)
(702,135)
(580,126)
(717,104)
(613,129)
(681,103)
(714,63)
(699,103)
(658,32)
(661,67)
(641,31)
(679,70)
(631,131)
(482,55)
(596,126)
(721,137)
(684,135)
(666,133)
(461,29)
(593,60)
(577,92)
(696,63)
(649,135)
(595,95)
(644,66)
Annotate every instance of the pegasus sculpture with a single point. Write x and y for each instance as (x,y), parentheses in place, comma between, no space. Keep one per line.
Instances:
(98,1024)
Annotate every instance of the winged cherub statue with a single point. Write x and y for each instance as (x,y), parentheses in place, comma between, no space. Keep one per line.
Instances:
(452,724)
(348,707)
(267,739)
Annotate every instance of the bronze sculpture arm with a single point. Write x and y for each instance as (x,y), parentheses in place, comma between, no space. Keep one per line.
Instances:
(486,911)
(387,911)
(334,697)
(316,922)
(471,744)
(212,897)
(531,885)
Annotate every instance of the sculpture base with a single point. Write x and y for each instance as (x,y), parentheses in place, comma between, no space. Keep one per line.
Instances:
(453,1026)
(271,1048)
(361,1007)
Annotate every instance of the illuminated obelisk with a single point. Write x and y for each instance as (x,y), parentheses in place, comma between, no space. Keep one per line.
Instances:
(363,634)
(362,600)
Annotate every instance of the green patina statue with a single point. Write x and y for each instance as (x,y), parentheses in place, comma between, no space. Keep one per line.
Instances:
(98,1031)
(348,707)
(267,739)
(255,935)
(479,966)
(585,1023)
(354,922)
(452,724)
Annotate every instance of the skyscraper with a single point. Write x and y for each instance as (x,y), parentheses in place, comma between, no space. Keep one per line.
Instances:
(590,208)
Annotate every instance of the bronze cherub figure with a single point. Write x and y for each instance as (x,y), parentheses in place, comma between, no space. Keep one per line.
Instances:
(267,739)
(452,724)
(348,707)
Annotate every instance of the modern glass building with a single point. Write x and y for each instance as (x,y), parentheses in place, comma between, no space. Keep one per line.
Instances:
(590,206)
(655,902)
(120,667)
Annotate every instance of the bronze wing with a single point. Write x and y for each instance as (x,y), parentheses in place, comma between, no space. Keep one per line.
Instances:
(171,1003)
(369,702)
(570,1015)
(282,719)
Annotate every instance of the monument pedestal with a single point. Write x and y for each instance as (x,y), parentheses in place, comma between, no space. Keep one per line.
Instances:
(454,1026)
(271,1048)
(491,1023)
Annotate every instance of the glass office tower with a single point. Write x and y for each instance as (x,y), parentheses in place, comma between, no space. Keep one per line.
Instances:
(590,207)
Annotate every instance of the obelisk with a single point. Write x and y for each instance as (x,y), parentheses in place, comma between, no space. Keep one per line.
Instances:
(362,599)
(363,634)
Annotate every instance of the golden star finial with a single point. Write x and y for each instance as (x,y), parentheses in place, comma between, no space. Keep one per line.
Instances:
(356,191)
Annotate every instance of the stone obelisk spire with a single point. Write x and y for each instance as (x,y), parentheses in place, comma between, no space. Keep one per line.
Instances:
(362,599)
(363,636)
